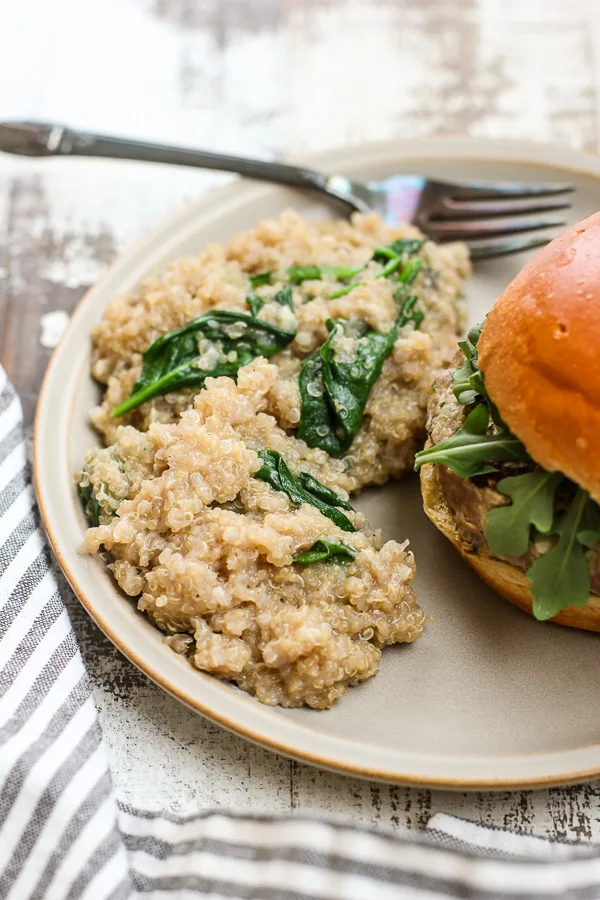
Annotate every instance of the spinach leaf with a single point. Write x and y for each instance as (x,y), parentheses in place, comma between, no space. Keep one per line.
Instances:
(326,551)
(408,313)
(91,507)
(392,257)
(255,304)
(560,577)
(344,290)
(298,274)
(400,248)
(284,297)
(470,450)
(323,493)
(173,361)
(335,382)
(276,473)
(508,528)
(410,271)
(260,278)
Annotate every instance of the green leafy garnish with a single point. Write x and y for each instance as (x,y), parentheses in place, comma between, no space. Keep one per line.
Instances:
(283,297)
(260,278)
(326,551)
(255,304)
(392,257)
(400,248)
(408,313)
(298,274)
(174,360)
(410,271)
(344,290)
(508,528)
(335,382)
(466,380)
(302,489)
(560,577)
(91,507)
(319,490)
(471,449)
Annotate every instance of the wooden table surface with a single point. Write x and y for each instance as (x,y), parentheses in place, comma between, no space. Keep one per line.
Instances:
(257,77)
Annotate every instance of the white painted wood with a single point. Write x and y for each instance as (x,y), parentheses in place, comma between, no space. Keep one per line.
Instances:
(269,77)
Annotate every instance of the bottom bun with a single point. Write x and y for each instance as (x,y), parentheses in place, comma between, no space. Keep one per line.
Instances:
(503,577)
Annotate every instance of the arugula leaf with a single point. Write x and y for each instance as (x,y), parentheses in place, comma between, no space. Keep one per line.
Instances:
(335,382)
(91,507)
(260,278)
(172,361)
(589,534)
(508,528)
(284,297)
(276,473)
(326,551)
(466,385)
(471,449)
(560,577)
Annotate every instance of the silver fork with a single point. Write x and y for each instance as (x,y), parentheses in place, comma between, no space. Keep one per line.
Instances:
(493,218)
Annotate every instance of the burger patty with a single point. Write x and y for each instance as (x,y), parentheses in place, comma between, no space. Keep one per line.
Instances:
(471,499)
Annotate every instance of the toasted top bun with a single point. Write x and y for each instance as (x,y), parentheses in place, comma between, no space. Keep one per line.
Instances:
(539,352)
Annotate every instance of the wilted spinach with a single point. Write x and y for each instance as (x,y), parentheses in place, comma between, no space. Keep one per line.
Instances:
(326,551)
(172,361)
(283,297)
(336,380)
(260,278)
(298,274)
(303,489)
(91,507)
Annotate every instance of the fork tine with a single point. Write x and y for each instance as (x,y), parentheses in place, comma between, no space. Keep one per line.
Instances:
(491,248)
(508,189)
(502,206)
(490,227)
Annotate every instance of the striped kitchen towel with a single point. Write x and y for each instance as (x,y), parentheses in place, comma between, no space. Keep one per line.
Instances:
(63,835)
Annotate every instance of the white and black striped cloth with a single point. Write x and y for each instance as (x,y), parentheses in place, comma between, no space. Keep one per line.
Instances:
(63,835)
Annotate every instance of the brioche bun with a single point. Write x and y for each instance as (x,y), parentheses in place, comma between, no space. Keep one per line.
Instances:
(539,352)
(505,578)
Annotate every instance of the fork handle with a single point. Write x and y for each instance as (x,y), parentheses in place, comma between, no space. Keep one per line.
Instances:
(42,139)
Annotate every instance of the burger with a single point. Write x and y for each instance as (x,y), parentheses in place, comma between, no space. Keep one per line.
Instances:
(510,473)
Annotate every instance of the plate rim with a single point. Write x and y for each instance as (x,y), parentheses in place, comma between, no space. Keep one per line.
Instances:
(398,767)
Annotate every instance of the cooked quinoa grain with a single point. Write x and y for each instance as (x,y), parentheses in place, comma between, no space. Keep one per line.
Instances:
(209,551)
(394,422)
(184,521)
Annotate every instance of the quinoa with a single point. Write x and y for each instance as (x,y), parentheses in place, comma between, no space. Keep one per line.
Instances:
(209,551)
(394,423)
(183,521)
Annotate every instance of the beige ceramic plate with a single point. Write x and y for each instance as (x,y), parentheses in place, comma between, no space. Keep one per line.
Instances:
(488,698)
